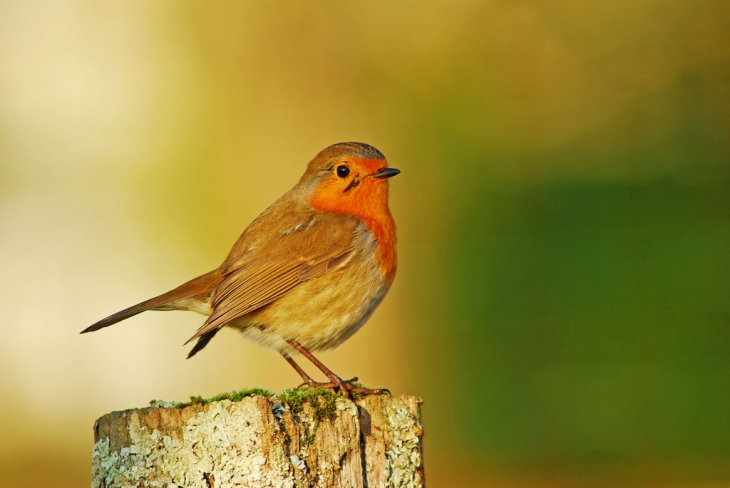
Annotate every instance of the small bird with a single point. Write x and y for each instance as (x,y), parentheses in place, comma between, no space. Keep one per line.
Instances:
(308,272)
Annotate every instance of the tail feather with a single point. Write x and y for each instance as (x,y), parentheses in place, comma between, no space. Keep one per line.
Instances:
(197,289)
(202,342)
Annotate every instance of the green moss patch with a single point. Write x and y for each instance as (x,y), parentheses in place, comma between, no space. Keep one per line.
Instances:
(321,400)
(233,395)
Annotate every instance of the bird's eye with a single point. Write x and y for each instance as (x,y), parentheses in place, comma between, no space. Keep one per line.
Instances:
(343,171)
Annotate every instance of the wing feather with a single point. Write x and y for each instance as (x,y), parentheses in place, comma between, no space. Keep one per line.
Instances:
(252,283)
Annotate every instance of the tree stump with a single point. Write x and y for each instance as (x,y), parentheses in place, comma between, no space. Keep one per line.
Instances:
(299,438)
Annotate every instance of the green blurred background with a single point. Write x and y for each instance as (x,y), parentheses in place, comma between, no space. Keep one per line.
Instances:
(563,298)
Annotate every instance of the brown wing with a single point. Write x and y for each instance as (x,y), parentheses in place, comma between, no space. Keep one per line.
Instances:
(252,281)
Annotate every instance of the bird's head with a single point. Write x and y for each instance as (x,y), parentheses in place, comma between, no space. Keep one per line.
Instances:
(351,178)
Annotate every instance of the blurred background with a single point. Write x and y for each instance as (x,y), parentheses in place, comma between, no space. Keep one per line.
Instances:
(563,298)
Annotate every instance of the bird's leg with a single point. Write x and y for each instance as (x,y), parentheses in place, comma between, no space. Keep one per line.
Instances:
(345,386)
(307,379)
(332,377)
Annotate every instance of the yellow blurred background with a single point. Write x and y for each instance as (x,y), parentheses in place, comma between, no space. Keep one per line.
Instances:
(563,298)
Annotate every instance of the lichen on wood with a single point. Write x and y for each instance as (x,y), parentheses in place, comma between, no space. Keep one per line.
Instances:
(298,438)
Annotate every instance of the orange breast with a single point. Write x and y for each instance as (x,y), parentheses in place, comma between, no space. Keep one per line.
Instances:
(369,204)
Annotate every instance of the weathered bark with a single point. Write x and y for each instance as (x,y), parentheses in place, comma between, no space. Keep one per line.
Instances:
(263,442)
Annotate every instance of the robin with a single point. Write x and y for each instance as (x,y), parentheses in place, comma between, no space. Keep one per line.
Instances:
(308,272)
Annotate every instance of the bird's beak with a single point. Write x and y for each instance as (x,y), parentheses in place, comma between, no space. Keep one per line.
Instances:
(385,173)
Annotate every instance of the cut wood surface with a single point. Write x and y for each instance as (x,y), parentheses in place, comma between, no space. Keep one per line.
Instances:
(300,438)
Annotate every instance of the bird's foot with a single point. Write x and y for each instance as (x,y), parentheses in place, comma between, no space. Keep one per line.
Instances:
(346,387)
